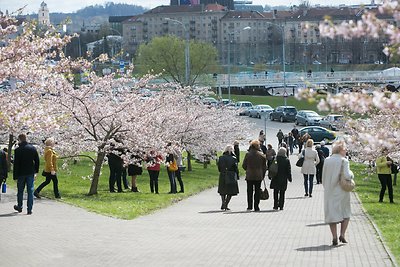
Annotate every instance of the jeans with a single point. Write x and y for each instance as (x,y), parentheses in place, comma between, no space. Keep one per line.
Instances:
(386,181)
(308,183)
(27,180)
(154,180)
(124,180)
(179,178)
(395,179)
(115,176)
(291,148)
(253,186)
(279,198)
(50,178)
(172,181)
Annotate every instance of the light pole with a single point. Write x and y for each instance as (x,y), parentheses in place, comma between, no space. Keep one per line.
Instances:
(282,29)
(229,58)
(187,49)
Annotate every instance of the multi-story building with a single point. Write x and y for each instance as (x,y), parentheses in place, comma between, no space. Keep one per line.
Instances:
(252,37)
(44,15)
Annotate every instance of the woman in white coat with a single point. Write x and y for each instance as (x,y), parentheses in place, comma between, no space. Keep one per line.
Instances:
(336,200)
(308,169)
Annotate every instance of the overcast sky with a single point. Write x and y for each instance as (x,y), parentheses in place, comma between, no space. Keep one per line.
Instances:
(73,5)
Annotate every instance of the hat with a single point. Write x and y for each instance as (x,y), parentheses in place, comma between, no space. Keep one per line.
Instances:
(282,152)
(318,146)
(322,143)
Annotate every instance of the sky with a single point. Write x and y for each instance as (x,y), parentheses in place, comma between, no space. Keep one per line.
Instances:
(67,6)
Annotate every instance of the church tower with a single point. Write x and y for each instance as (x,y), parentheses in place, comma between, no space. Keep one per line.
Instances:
(44,15)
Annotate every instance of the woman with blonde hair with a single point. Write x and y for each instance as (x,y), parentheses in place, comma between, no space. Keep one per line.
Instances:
(50,168)
(228,174)
(311,160)
(336,200)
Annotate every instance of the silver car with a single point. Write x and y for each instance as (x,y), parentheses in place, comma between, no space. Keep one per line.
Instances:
(332,122)
(259,111)
(307,118)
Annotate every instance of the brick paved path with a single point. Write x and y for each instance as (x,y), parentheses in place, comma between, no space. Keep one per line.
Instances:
(191,233)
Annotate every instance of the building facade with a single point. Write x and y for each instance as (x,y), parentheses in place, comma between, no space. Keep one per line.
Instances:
(252,37)
(44,15)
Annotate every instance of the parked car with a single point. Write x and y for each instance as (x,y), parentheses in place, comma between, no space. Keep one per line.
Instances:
(243,107)
(307,118)
(224,102)
(319,134)
(260,110)
(210,101)
(333,122)
(284,113)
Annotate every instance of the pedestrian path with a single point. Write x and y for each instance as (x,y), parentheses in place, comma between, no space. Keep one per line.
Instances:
(191,233)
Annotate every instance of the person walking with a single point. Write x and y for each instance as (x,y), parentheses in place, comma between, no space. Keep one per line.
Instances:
(324,149)
(3,169)
(179,161)
(50,169)
(320,165)
(295,134)
(236,150)
(153,168)
(290,142)
(383,168)
(336,201)
(262,137)
(26,167)
(280,181)
(255,165)
(280,137)
(270,155)
(308,169)
(228,173)
(135,169)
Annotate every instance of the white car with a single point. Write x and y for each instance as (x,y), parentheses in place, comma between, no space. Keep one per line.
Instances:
(243,107)
(210,101)
(259,111)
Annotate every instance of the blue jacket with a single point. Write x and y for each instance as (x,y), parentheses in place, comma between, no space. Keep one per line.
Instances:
(26,160)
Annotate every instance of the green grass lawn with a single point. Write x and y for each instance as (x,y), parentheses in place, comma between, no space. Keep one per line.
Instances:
(385,215)
(275,101)
(128,205)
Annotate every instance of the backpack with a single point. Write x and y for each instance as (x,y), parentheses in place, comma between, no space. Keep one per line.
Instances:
(273,169)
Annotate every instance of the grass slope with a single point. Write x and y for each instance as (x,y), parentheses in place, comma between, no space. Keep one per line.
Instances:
(385,215)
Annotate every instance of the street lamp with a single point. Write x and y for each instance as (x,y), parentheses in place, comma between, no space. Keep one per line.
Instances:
(187,49)
(229,58)
(282,29)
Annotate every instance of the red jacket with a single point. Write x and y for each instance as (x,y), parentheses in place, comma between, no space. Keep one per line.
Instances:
(156,165)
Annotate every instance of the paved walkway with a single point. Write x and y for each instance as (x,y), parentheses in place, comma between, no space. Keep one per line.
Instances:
(191,233)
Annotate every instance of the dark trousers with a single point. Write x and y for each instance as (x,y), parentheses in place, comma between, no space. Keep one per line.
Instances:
(27,180)
(172,181)
(300,147)
(308,183)
(319,173)
(124,179)
(280,142)
(386,181)
(279,198)
(179,178)
(395,179)
(253,187)
(49,178)
(154,180)
(115,176)
(291,145)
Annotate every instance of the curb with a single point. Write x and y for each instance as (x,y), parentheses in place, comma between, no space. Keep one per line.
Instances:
(381,239)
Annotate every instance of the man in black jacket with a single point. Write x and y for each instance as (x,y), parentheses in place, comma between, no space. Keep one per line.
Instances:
(26,166)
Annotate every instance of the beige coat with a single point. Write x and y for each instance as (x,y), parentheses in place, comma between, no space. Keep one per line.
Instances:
(336,200)
(310,161)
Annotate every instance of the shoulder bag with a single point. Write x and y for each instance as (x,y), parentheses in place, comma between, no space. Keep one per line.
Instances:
(173,166)
(264,193)
(300,162)
(345,184)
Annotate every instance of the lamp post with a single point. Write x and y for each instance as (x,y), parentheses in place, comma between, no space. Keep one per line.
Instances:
(282,29)
(187,50)
(229,58)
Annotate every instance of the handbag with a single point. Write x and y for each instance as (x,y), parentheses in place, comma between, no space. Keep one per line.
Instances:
(273,169)
(300,162)
(45,174)
(173,166)
(4,188)
(394,168)
(264,193)
(345,184)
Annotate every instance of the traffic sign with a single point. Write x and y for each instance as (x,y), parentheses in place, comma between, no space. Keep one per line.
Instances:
(285,94)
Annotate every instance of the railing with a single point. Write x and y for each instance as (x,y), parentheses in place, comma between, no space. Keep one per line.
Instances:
(293,79)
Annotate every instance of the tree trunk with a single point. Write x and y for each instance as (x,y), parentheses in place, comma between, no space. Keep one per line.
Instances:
(189,161)
(10,145)
(96,173)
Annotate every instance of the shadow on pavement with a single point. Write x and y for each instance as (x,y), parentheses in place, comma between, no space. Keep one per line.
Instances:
(316,224)
(296,197)
(211,211)
(11,214)
(318,248)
